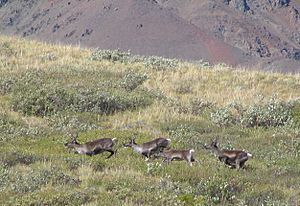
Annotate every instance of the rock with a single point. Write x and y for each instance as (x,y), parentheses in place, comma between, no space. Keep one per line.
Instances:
(261,48)
(3,2)
(275,4)
(294,15)
(241,5)
(296,54)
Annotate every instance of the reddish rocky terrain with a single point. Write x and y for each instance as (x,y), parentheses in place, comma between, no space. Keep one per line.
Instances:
(265,33)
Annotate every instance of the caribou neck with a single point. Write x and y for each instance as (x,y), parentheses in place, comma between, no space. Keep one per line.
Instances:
(217,151)
(137,148)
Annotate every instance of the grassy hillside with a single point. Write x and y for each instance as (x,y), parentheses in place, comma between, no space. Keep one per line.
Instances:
(48,92)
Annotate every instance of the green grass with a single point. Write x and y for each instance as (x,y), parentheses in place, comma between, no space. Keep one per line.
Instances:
(48,91)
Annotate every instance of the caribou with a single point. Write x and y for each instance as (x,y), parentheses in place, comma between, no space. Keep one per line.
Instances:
(173,154)
(233,158)
(93,147)
(149,148)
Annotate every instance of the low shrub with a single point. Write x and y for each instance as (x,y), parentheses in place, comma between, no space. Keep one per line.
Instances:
(63,122)
(274,113)
(6,84)
(60,197)
(11,128)
(223,117)
(132,80)
(187,133)
(271,114)
(34,180)
(4,175)
(296,112)
(41,100)
(14,158)
(217,190)
(110,55)
(196,106)
(183,88)
(143,192)
(151,62)
(160,63)
(46,100)
(267,196)
(6,49)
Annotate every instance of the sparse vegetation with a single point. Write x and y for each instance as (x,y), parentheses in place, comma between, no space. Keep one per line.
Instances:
(47,91)
(152,62)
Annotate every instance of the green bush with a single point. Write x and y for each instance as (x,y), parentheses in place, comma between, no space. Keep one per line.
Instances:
(160,63)
(44,93)
(110,55)
(41,101)
(268,197)
(217,190)
(61,197)
(151,62)
(51,99)
(223,117)
(186,133)
(132,80)
(11,128)
(4,175)
(296,112)
(6,84)
(34,180)
(144,193)
(274,113)
(196,106)
(14,158)
(63,122)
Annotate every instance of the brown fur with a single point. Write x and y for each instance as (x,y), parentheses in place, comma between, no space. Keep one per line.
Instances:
(149,148)
(234,158)
(171,155)
(94,147)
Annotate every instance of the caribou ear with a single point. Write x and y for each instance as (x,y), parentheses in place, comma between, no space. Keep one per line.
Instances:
(133,138)
(74,138)
(215,141)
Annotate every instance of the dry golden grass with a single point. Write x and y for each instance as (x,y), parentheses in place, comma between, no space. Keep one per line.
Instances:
(225,85)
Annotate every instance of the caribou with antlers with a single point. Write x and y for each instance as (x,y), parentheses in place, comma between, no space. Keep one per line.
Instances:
(234,158)
(94,147)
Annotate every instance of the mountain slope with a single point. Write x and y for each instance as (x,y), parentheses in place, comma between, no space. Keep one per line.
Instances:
(268,30)
(236,32)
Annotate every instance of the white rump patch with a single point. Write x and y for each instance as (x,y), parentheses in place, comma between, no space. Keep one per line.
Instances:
(249,154)
(169,140)
(191,150)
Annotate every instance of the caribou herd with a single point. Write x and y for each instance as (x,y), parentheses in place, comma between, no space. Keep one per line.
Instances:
(160,147)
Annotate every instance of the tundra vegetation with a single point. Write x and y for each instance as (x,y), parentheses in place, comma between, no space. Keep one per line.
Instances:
(47,91)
